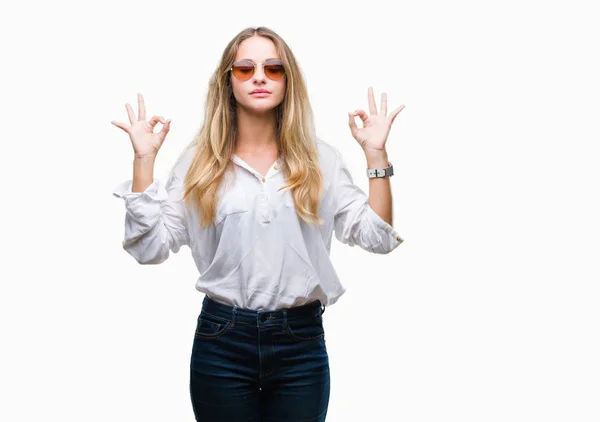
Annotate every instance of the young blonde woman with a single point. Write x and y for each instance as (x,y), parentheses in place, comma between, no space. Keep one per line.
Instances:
(256,197)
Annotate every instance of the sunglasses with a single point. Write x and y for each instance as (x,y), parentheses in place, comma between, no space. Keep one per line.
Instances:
(244,69)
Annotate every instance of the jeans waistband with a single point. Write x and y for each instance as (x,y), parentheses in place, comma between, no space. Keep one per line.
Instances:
(262,317)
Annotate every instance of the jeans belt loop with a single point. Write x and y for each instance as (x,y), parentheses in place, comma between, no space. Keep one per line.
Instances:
(234,313)
(285,319)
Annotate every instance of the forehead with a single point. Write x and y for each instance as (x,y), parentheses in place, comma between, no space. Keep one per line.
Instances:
(256,48)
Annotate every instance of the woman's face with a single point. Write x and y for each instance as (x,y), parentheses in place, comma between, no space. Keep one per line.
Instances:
(257,49)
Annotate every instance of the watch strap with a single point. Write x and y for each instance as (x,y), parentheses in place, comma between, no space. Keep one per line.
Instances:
(380,172)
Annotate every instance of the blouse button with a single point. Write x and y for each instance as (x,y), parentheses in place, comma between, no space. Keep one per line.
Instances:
(264,180)
(276,168)
(398,238)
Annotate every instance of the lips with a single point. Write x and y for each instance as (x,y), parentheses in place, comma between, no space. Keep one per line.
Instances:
(260,91)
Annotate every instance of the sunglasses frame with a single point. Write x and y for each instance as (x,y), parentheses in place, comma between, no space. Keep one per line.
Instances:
(255,66)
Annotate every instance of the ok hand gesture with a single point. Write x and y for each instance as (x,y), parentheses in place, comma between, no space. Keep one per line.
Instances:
(376,127)
(145,142)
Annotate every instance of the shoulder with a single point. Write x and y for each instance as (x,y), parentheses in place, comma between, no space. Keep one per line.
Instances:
(329,155)
(331,158)
(184,161)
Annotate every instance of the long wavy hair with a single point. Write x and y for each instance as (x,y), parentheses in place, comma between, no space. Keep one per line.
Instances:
(215,141)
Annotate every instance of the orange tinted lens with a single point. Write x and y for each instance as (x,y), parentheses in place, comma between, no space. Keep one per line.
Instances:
(243,71)
(274,70)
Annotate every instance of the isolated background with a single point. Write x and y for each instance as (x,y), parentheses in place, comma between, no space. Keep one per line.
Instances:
(487,312)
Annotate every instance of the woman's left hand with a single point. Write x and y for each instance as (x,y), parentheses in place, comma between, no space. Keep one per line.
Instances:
(376,127)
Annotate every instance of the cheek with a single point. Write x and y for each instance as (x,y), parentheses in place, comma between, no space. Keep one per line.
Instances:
(237,90)
(281,91)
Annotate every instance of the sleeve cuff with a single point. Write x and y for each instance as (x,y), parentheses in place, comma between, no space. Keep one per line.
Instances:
(153,191)
(145,207)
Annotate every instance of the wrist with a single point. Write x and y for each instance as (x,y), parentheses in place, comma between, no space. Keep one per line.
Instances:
(377,158)
(144,158)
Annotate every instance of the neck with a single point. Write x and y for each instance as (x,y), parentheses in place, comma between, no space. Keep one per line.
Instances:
(256,132)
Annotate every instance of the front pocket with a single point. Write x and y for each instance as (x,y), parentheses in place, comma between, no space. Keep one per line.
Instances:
(232,207)
(288,198)
(210,326)
(306,329)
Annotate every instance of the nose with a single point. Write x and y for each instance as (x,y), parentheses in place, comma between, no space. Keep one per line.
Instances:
(259,74)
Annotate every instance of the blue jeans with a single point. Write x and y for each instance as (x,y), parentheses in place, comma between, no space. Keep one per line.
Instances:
(259,365)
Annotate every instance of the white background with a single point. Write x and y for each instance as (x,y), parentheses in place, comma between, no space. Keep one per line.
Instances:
(487,312)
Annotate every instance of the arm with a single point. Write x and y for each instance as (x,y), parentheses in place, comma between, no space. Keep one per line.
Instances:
(155,221)
(361,220)
(380,191)
(355,221)
(143,173)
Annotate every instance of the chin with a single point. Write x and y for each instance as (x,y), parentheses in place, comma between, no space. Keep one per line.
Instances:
(262,109)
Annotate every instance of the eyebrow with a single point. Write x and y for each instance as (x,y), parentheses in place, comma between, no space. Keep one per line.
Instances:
(270,58)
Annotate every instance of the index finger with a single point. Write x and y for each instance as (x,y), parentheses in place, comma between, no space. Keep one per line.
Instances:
(141,107)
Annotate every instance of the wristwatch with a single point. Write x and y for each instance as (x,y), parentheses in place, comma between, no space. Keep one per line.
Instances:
(388,171)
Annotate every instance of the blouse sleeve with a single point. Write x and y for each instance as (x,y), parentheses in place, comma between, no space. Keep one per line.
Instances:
(154,221)
(355,222)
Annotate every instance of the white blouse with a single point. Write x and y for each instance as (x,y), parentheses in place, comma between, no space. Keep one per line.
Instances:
(257,254)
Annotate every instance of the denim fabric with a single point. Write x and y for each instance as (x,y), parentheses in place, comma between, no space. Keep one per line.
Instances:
(259,365)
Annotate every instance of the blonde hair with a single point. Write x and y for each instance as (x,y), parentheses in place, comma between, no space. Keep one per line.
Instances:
(215,141)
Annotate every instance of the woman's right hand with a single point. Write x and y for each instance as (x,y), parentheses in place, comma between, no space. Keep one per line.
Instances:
(145,142)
